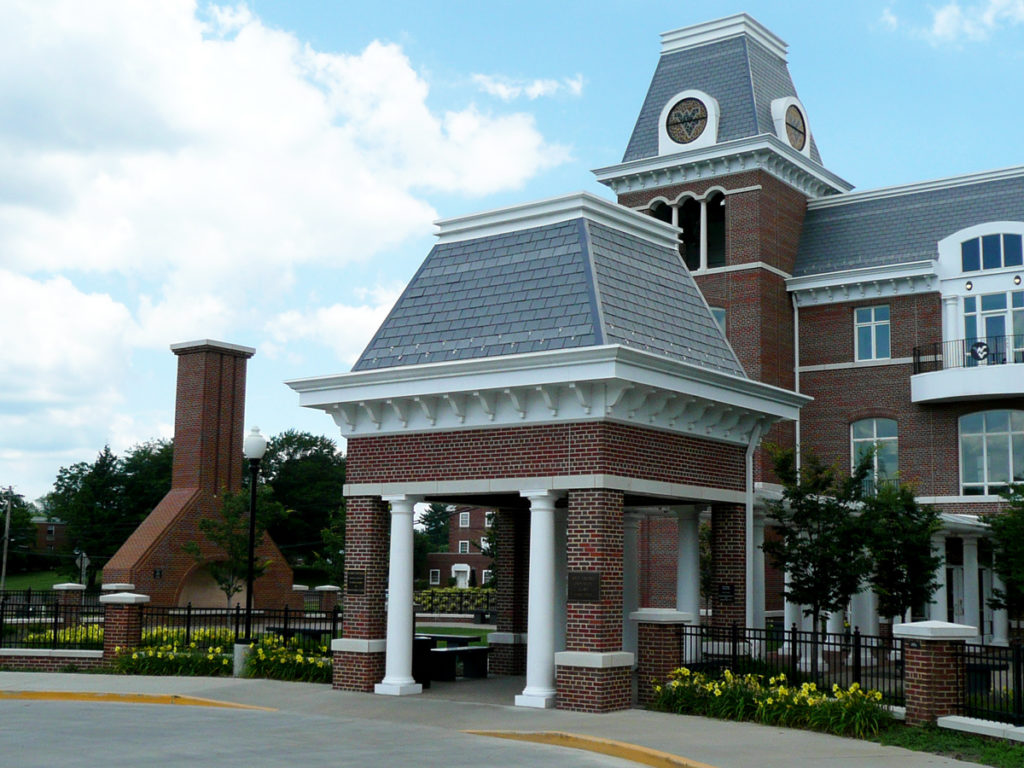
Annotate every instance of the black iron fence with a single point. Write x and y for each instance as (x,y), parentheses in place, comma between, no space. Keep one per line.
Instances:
(50,625)
(456,600)
(826,659)
(226,626)
(993,682)
(969,353)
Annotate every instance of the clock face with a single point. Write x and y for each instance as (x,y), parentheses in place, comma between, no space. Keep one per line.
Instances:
(796,129)
(686,120)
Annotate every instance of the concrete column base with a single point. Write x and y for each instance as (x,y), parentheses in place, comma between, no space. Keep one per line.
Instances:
(397,689)
(241,655)
(536,700)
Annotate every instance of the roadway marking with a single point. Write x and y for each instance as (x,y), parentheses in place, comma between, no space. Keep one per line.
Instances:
(127,698)
(610,747)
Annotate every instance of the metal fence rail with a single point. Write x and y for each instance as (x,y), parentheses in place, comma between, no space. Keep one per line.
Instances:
(456,600)
(823,658)
(993,682)
(50,625)
(221,626)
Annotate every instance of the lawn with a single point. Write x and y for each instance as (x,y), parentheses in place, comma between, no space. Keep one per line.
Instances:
(36,580)
(955,744)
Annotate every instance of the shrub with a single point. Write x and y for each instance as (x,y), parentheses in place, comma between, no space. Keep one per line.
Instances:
(273,658)
(172,659)
(79,635)
(846,712)
(202,638)
(450,599)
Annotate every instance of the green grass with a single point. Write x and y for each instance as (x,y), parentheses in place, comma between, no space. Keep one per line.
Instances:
(955,744)
(469,629)
(35,580)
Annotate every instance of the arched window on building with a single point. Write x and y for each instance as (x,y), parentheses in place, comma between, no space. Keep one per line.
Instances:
(689,222)
(991,451)
(881,436)
(716,230)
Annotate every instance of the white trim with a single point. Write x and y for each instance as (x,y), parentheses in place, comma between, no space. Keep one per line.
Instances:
(722,29)
(958,499)
(743,268)
(462,551)
(662,616)
(69,586)
(762,152)
(506,638)
(464,516)
(743,190)
(856,364)
(708,137)
(979,383)
(865,283)
(185,346)
(947,182)
(950,264)
(554,210)
(981,727)
(934,630)
(357,645)
(779,109)
(554,483)
(124,598)
(50,653)
(120,586)
(872,353)
(592,660)
(430,577)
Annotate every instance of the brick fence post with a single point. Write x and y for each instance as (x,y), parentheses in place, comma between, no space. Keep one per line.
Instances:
(329,596)
(932,668)
(122,621)
(69,601)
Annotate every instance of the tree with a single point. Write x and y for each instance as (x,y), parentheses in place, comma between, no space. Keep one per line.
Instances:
(435,522)
(1008,552)
(821,543)
(899,541)
(22,532)
(146,469)
(228,532)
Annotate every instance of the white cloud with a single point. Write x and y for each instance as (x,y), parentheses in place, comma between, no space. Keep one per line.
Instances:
(955,23)
(507,89)
(889,19)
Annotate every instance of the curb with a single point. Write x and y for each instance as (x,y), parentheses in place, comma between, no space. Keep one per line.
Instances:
(127,698)
(610,747)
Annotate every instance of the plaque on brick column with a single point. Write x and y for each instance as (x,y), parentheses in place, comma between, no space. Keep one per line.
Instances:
(584,587)
(355,581)
(726,594)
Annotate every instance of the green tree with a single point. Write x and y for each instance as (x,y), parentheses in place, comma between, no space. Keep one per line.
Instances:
(821,543)
(146,469)
(22,532)
(435,522)
(1008,552)
(898,534)
(228,532)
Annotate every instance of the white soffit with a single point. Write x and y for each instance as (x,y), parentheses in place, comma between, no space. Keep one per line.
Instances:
(865,284)
(722,29)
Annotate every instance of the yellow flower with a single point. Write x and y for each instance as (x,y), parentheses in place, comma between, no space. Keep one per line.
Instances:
(225,662)
(135,655)
(718,692)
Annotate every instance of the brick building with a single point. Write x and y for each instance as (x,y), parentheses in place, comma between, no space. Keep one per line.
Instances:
(464,564)
(603,375)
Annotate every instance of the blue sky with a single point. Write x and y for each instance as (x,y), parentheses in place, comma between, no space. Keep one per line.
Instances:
(267,173)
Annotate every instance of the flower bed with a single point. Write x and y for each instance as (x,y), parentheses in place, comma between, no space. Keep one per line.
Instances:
(844,712)
(192,660)
(273,658)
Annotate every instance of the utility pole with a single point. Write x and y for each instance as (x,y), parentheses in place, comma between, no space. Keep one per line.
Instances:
(7,536)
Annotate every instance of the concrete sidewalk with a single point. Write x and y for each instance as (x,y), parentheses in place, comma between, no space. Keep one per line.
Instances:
(476,705)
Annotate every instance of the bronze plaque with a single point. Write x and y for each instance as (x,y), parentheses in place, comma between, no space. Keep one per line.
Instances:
(584,587)
(355,582)
(726,594)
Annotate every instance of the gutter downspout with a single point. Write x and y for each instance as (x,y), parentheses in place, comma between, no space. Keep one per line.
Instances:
(755,438)
(796,373)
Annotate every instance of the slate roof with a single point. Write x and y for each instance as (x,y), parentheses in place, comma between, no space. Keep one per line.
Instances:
(901,228)
(571,284)
(740,73)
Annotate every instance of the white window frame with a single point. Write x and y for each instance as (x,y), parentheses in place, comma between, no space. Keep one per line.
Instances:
(463,547)
(485,577)
(873,324)
(489,519)
(988,486)
(874,440)
(463,519)
(434,577)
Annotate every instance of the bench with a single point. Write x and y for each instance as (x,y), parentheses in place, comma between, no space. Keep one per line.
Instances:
(313,633)
(483,616)
(473,658)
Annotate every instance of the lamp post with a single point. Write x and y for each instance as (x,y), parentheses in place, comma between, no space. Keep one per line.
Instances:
(253,447)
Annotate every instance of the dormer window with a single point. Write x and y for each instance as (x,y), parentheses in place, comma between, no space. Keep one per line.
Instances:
(689,120)
(702,221)
(994,251)
(790,120)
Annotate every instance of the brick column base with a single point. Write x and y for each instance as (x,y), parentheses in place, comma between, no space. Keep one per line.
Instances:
(932,666)
(658,650)
(122,621)
(508,655)
(354,671)
(585,689)
(728,556)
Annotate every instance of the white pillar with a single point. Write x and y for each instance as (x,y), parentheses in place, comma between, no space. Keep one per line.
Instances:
(952,328)
(790,614)
(540,645)
(398,680)
(1000,616)
(937,609)
(703,234)
(758,573)
(688,563)
(864,616)
(972,607)
(834,625)
(630,580)
(561,575)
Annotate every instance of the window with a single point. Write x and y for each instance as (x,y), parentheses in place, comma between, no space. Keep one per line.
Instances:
(719,314)
(485,578)
(871,333)
(489,519)
(435,576)
(992,252)
(997,319)
(463,547)
(991,451)
(878,435)
(463,519)
(702,229)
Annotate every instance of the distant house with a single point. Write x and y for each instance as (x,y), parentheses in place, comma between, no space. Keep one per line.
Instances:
(464,564)
(51,535)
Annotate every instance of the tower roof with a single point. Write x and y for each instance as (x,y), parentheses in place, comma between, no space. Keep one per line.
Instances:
(570,272)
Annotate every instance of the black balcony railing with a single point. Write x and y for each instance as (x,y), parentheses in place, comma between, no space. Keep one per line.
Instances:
(969,353)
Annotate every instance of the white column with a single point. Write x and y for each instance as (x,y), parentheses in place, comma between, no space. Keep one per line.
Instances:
(688,563)
(540,645)
(1000,616)
(630,580)
(790,614)
(703,234)
(758,572)
(937,608)
(561,575)
(398,680)
(864,616)
(952,328)
(834,625)
(972,607)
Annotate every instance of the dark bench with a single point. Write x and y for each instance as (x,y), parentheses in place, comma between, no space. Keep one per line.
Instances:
(313,633)
(979,675)
(473,658)
(483,616)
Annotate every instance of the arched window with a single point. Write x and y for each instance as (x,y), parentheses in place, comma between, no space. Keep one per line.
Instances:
(991,451)
(879,435)
(716,230)
(689,222)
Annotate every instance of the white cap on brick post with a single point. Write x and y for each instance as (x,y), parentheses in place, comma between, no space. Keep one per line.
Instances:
(934,630)
(124,598)
(300,588)
(70,586)
(327,588)
(120,586)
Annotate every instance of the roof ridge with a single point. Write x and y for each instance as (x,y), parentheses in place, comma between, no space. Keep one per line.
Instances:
(753,93)
(596,304)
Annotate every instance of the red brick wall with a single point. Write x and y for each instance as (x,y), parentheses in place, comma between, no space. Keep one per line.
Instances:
(367,532)
(595,545)
(658,545)
(55,663)
(545,450)
(657,655)
(357,671)
(933,680)
(512,570)
(728,558)
(582,689)
(122,628)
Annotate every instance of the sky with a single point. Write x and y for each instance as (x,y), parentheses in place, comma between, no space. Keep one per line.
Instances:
(268,173)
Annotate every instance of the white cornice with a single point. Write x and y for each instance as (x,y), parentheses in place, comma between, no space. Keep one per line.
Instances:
(554,210)
(609,382)
(865,283)
(949,182)
(763,152)
(722,29)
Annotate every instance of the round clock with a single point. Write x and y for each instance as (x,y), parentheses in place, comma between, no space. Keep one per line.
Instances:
(686,120)
(796,128)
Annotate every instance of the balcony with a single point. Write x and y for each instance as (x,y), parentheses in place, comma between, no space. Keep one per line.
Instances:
(968,369)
